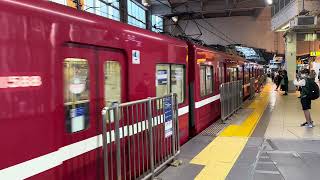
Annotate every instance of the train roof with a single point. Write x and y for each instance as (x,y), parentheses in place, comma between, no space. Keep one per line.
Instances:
(120,32)
(223,55)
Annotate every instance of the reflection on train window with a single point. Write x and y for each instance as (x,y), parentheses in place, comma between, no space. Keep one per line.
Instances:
(177,81)
(209,79)
(246,76)
(206,80)
(221,74)
(170,79)
(76,94)
(112,82)
(232,74)
(162,79)
(202,80)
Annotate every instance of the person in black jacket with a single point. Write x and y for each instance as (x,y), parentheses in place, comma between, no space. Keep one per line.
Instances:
(278,80)
(286,82)
(305,101)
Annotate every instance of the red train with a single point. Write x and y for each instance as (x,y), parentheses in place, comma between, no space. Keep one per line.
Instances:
(57,63)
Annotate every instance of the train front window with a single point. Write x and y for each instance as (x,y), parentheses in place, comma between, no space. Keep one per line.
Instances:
(112,83)
(76,94)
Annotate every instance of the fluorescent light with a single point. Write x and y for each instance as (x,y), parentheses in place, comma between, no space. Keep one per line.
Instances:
(269,2)
(175,18)
(146,2)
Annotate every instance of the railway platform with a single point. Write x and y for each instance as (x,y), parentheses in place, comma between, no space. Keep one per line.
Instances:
(263,140)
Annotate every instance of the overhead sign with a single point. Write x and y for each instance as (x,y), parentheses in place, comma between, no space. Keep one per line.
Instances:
(315,53)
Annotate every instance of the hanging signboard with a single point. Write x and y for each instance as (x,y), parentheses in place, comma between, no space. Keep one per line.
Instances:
(315,53)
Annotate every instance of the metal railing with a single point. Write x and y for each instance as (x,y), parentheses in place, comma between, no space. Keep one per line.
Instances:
(231,97)
(140,137)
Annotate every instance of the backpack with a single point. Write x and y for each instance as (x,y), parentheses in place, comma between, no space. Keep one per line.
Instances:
(312,89)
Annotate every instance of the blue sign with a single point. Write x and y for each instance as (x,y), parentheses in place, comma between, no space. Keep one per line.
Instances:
(168,116)
(80,111)
(162,76)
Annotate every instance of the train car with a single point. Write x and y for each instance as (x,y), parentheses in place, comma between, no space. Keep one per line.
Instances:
(206,73)
(59,67)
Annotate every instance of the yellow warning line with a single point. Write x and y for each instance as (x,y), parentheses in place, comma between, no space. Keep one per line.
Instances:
(221,154)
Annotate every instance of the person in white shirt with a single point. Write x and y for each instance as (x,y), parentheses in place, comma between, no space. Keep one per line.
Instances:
(305,101)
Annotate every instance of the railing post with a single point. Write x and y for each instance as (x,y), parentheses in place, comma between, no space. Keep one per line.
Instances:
(177,120)
(105,144)
(173,124)
(150,138)
(117,140)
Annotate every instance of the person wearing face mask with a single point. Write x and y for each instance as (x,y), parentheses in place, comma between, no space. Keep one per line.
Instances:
(305,101)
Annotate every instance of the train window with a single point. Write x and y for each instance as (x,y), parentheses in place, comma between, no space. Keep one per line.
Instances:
(170,78)
(162,79)
(177,81)
(209,79)
(112,82)
(76,94)
(221,74)
(206,80)
(202,80)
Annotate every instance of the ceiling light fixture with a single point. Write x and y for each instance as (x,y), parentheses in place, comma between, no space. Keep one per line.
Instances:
(146,2)
(269,2)
(175,19)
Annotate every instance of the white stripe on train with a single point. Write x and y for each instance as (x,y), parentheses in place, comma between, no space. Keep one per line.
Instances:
(48,161)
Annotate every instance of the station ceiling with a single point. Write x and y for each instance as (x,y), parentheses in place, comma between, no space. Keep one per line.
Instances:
(196,9)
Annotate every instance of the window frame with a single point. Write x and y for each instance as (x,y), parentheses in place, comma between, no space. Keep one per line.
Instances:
(205,83)
(99,12)
(87,101)
(104,83)
(158,30)
(170,76)
(134,17)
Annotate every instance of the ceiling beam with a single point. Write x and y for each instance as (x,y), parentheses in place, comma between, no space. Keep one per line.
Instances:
(205,6)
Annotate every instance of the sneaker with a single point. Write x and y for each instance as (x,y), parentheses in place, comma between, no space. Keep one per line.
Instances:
(304,124)
(310,126)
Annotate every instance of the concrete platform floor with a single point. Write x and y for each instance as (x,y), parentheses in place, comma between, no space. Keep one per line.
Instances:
(271,146)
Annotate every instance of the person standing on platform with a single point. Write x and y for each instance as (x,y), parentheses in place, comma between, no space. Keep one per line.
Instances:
(319,77)
(278,80)
(286,82)
(272,75)
(305,100)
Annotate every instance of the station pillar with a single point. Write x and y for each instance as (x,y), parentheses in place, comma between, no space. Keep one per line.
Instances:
(291,57)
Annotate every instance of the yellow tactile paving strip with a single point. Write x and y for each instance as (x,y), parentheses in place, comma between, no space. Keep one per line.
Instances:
(221,154)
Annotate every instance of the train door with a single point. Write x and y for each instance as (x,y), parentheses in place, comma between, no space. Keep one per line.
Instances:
(112,70)
(91,79)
